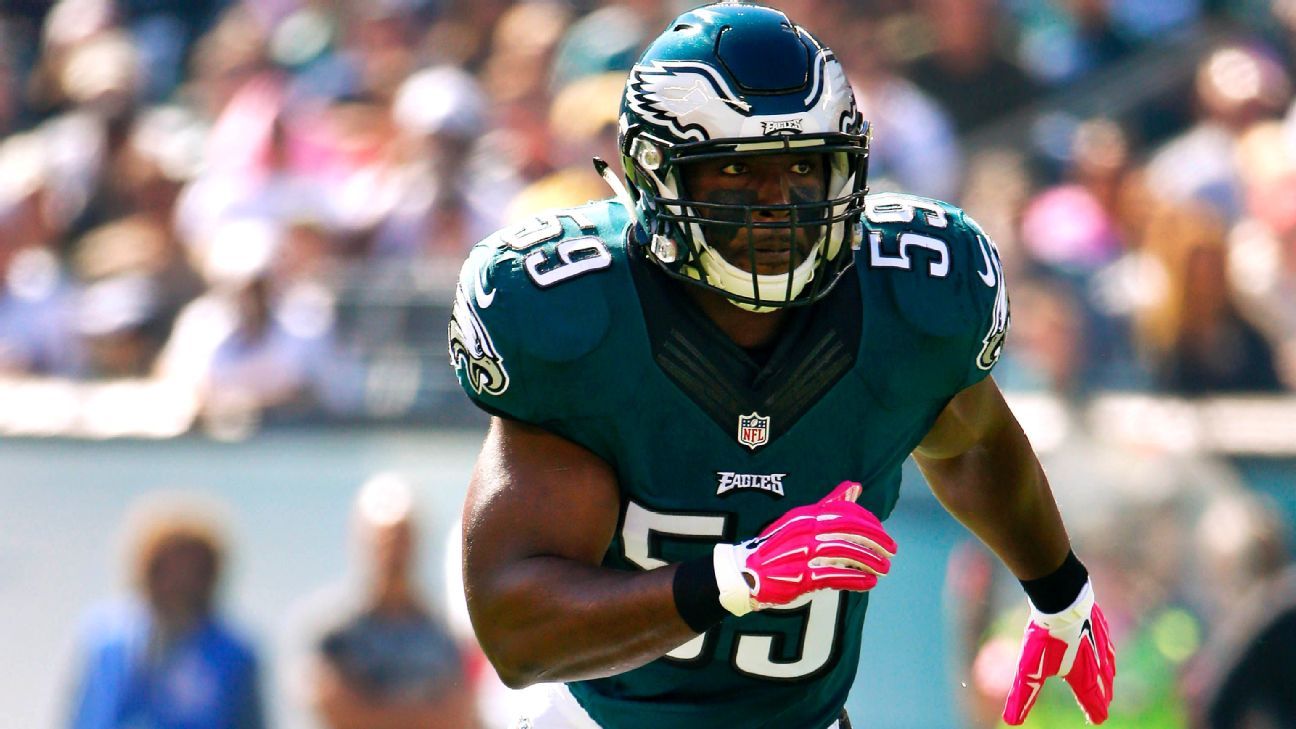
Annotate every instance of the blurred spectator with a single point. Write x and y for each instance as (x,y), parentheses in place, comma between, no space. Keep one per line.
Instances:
(1085,231)
(122,327)
(162,31)
(1242,679)
(520,89)
(380,40)
(37,303)
(438,191)
(226,58)
(1262,270)
(966,70)
(1236,86)
(583,118)
(137,275)
(135,167)
(278,358)
(164,658)
(1197,339)
(1076,227)
(260,344)
(1063,41)
(462,33)
(996,186)
(384,660)
(608,39)
(259,167)
(914,148)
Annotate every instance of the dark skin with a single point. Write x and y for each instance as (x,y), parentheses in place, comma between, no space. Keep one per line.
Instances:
(776,179)
(541,512)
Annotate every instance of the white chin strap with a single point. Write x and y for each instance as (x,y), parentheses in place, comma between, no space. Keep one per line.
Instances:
(728,277)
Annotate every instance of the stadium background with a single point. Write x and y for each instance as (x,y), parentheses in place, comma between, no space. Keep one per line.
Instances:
(229,232)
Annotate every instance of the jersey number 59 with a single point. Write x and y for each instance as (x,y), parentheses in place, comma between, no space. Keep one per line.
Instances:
(567,259)
(754,653)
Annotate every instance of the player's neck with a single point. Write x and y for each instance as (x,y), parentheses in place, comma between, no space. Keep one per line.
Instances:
(747,329)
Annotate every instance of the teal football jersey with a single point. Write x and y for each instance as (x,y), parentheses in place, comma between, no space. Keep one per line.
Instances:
(561,322)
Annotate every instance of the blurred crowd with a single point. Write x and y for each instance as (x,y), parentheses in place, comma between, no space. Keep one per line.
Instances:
(264,202)
(369,652)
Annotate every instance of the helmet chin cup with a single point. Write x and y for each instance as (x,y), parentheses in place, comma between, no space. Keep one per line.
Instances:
(664,249)
(751,287)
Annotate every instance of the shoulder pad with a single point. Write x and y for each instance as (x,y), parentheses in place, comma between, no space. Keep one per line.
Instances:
(946,278)
(532,296)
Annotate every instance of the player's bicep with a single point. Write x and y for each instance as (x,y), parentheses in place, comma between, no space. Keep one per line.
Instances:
(971,417)
(533,494)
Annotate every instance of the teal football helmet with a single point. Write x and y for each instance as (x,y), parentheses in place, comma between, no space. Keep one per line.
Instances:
(728,80)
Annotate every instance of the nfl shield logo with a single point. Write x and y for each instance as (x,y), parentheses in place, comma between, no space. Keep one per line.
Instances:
(753,430)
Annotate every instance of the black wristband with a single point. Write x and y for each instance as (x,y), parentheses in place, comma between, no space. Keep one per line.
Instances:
(1055,591)
(697,597)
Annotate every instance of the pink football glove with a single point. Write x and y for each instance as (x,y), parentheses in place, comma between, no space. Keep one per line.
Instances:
(832,544)
(1074,644)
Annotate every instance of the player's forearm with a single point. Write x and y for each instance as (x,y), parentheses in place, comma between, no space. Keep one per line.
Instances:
(998,490)
(553,619)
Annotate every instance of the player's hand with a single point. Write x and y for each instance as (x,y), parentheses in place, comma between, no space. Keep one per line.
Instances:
(1074,644)
(832,544)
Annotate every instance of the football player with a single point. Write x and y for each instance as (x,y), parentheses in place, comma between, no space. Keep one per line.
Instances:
(702,393)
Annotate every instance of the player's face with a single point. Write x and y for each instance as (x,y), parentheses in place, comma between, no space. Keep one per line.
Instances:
(753,181)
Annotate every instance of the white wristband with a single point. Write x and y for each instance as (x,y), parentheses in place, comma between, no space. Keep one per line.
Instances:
(1073,614)
(728,561)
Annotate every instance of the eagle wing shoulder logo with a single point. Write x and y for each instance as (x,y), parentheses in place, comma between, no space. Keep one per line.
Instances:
(473,351)
(1000,315)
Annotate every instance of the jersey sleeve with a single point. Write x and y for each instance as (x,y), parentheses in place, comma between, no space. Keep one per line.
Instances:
(519,347)
(988,302)
(946,282)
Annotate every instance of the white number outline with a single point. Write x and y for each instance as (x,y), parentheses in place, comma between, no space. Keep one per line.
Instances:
(818,647)
(752,651)
(569,266)
(890,207)
(636,539)
(570,262)
(938,268)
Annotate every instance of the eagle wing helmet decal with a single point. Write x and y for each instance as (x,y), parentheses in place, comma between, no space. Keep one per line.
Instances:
(690,98)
